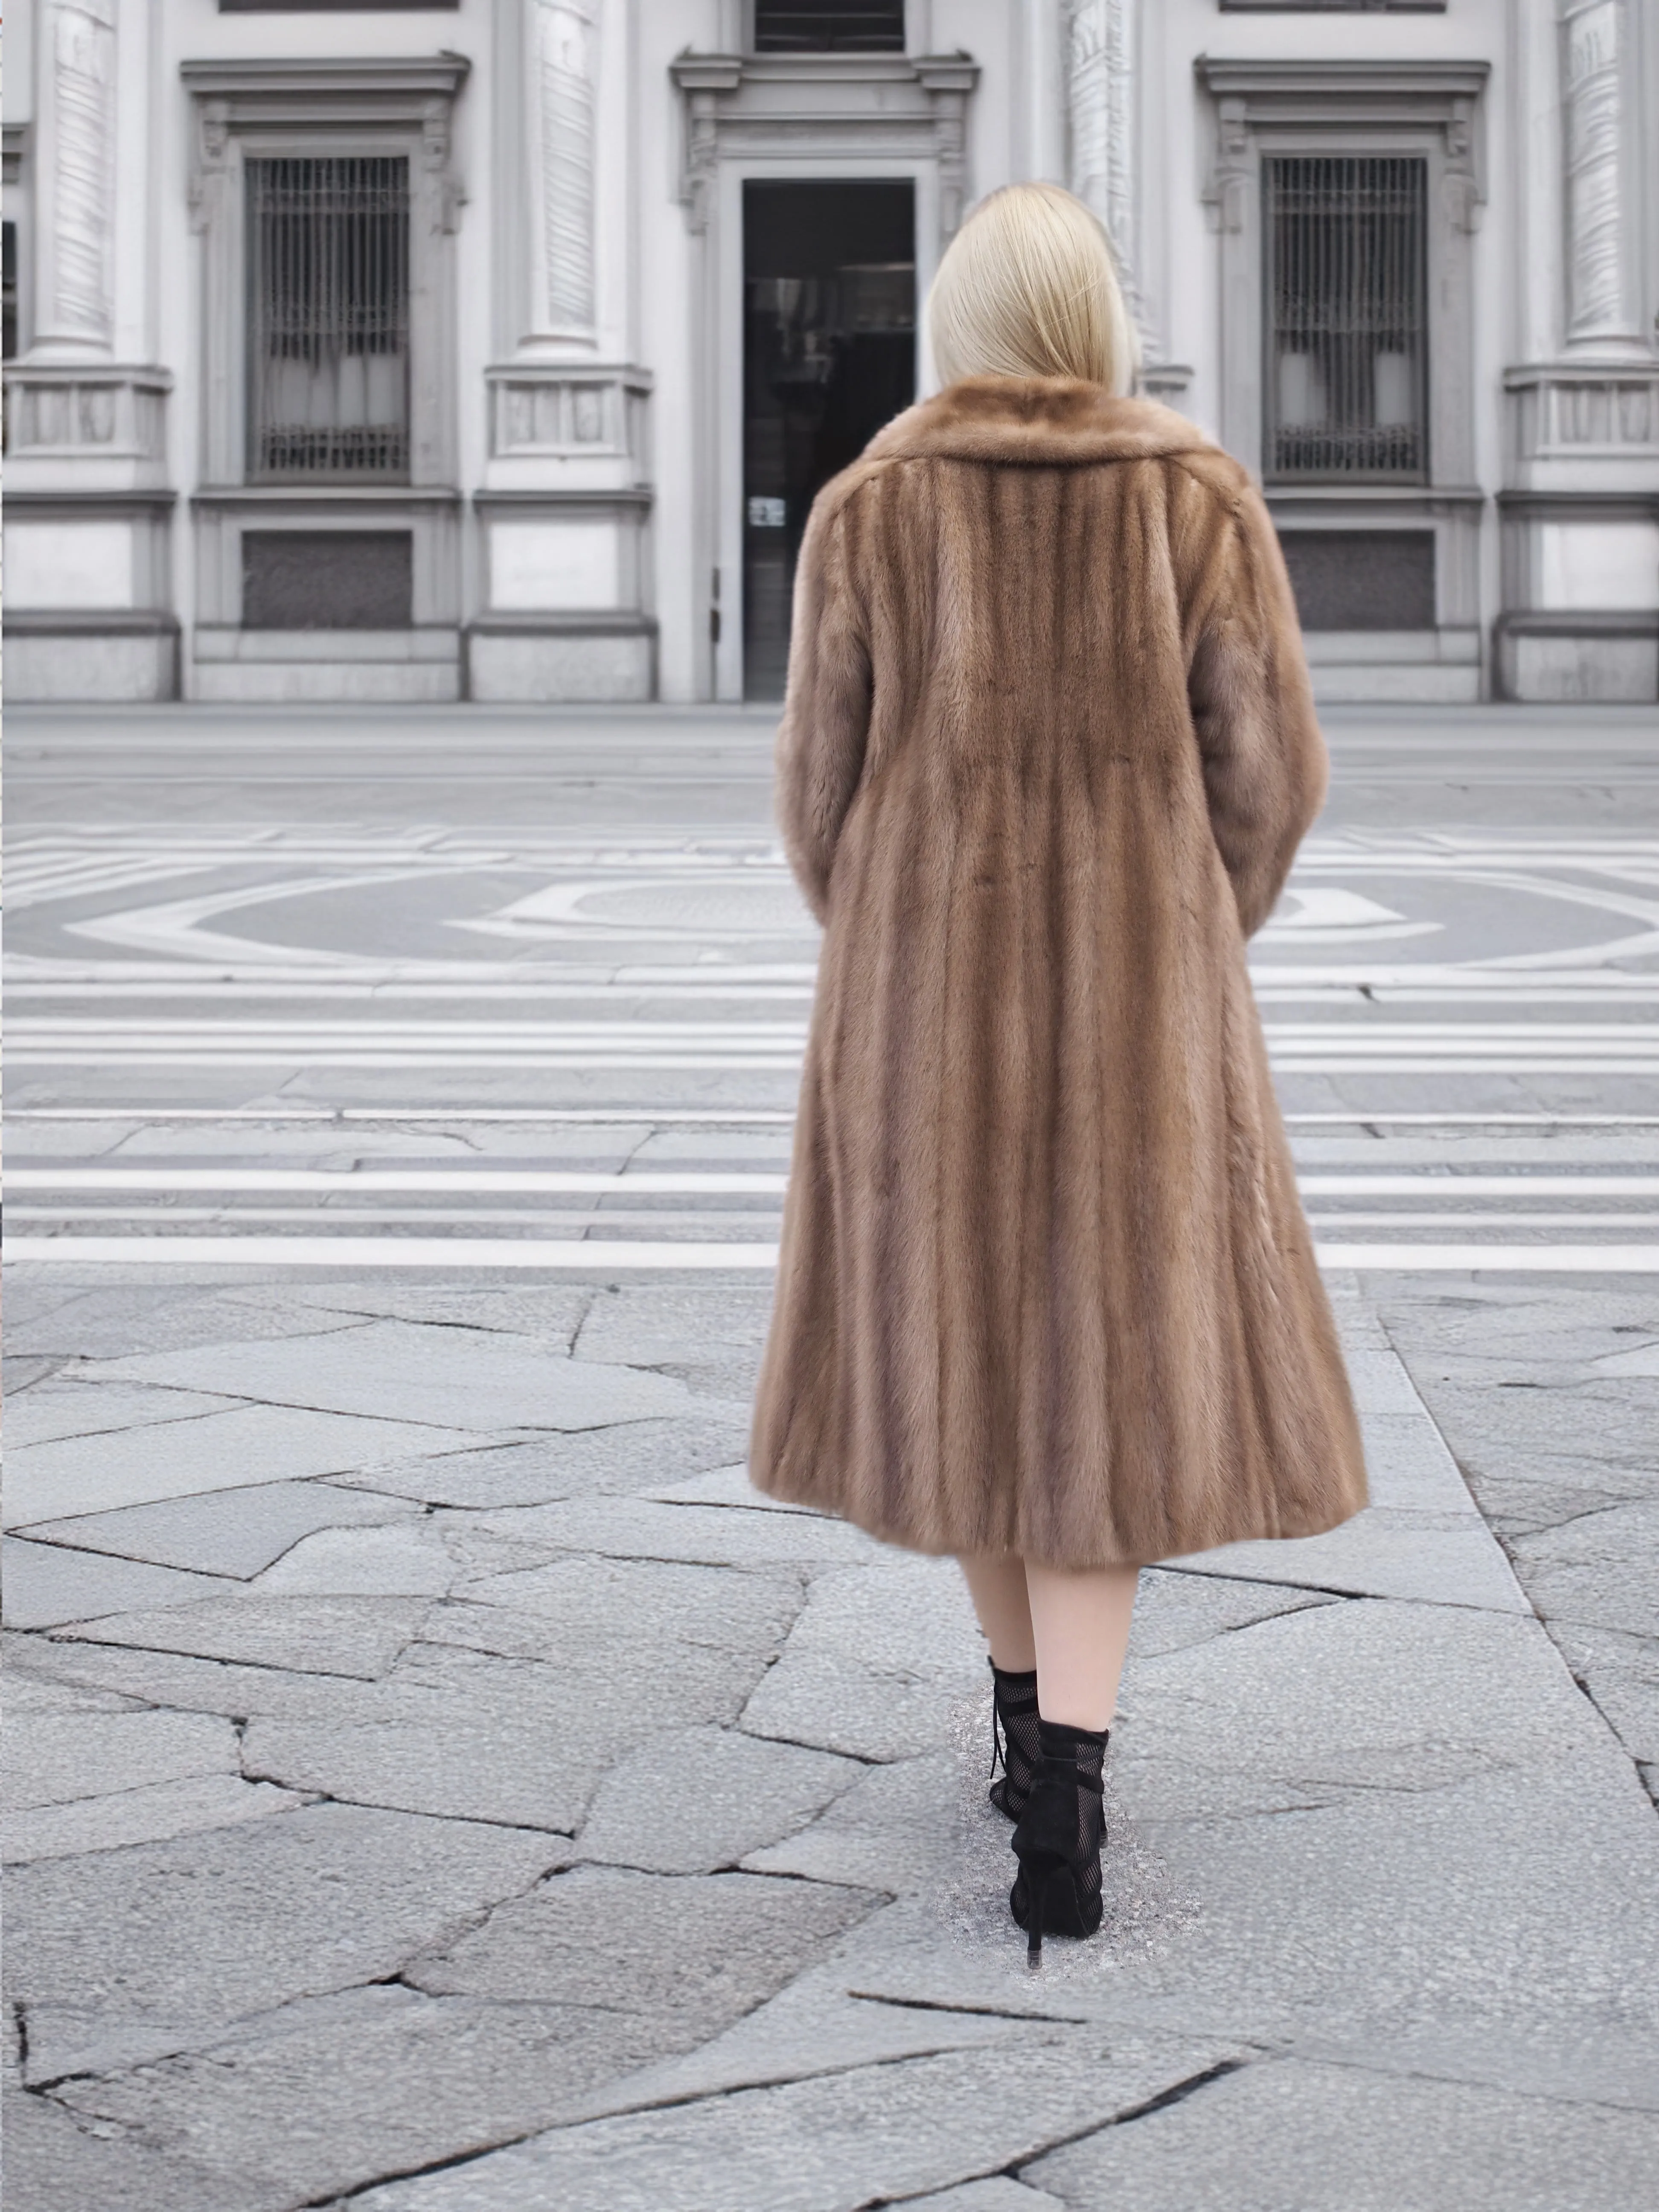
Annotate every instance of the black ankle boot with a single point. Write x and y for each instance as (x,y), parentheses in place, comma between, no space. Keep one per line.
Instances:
(1057,1892)
(1014,1740)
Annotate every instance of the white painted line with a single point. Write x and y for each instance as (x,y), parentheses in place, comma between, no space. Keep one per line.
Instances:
(601,1254)
(607,1256)
(651,1184)
(377,1116)
(466,1181)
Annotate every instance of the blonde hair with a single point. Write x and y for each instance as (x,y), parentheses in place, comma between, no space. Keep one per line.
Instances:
(1029,287)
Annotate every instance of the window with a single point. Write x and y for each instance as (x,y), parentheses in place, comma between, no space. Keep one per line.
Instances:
(1362,579)
(796,26)
(1345,396)
(328,298)
(8,290)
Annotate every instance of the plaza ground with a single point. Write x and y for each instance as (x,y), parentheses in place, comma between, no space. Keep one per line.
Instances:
(439,1783)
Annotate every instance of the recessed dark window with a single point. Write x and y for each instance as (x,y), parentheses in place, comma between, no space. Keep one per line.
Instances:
(1347,316)
(8,290)
(328,301)
(819,27)
(326,579)
(1362,578)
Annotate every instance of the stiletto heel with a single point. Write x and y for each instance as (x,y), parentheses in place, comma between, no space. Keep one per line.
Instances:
(1058,1841)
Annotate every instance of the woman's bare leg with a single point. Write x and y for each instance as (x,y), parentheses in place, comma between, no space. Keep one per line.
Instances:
(1079,1627)
(997,1587)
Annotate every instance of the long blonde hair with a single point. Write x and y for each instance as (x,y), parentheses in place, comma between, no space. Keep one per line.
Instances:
(1029,287)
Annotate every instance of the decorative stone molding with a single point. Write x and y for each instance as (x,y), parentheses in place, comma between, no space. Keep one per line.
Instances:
(560,413)
(1103,145)
(1256,94)
(270,94)
(833,105)
(1596,65)
(563,42)
(62,411)
(1583,411)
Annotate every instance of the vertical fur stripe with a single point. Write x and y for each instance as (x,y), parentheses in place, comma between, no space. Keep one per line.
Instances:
(1047,750)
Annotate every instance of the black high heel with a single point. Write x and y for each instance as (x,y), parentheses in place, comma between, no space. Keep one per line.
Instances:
(1057,1891)
(1014,1740)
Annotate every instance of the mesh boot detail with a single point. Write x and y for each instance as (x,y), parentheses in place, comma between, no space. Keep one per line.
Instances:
(1014,1740)
(1063,1829)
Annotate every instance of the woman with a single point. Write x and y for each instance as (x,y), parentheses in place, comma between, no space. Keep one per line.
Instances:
(1046,1297)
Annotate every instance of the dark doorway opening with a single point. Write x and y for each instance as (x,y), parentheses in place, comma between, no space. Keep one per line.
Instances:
(829,354)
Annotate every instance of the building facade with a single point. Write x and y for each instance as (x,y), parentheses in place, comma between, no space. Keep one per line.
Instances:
(494,349)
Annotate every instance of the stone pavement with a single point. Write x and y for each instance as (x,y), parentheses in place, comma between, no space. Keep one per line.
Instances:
(438,1784)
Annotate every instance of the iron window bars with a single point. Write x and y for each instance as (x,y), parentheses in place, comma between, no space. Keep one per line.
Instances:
(328,301)
(1347,325)
(795,26)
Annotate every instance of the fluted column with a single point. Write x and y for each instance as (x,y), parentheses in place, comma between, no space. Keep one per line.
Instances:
(1100,99)
(75,196)
(562,51)
(1598,67)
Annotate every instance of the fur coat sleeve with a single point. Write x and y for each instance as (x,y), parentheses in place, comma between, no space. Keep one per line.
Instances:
(821,739)
(1264,760)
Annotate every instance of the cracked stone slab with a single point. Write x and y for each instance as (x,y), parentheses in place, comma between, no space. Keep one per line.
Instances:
(433,1373)
(1502,1928)
(518,1760)
(1433,1559)
(1601,1569)
(175,1940)
(825,2145)
(403,1559)
(1175,1609)
(1341,1698)
(1622,1673)
(610,1462)
(702,1799)
(1369,2141)
(643,1528)
(115,1321)
(148,1814)
(329,2094)
(56,2163)
(51,1757)
(884,1833)
(223,1532)
(729,1486)
(819,2024)
(354,1636)
(875,1664)
(703,1951)
(72,1408)
(998,2194)
(217,1451)
(46,1584)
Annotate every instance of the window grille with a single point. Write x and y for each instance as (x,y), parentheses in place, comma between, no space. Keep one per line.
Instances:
(1346,384)
(328,295)
(795,26)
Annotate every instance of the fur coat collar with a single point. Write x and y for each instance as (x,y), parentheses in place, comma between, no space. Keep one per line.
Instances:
(1043,421)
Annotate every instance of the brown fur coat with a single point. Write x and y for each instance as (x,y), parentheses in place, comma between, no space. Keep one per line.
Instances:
(1047,750)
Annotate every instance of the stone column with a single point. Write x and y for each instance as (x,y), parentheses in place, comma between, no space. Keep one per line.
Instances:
(1100,101)
(1597,102)
(562,50)
(75,182)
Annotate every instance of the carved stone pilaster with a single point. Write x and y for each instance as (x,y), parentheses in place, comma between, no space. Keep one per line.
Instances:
(78,87)
(1100,101)
(1595,66)
(562,88)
